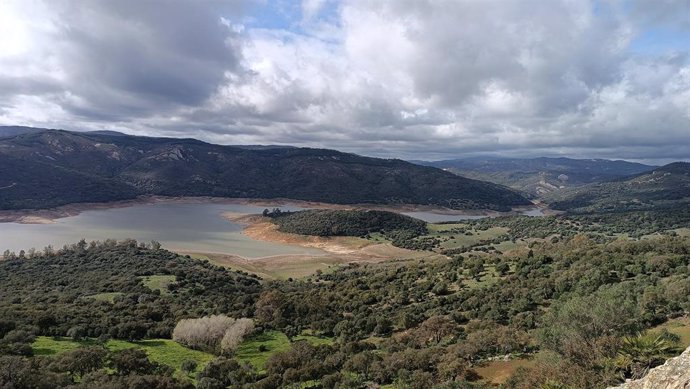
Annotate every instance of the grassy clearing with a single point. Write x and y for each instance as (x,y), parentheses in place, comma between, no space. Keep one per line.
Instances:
(498,372)
(159,283)
(680,327)
(461,240)
(486,278)
(257,349)
(109,297)
(164,351)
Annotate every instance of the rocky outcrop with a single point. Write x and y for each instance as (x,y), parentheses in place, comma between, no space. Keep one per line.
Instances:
(674,374)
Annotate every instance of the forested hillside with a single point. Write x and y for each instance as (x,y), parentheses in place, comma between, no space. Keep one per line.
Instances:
(101,289)
(667,186)
(187,167)
(541,176)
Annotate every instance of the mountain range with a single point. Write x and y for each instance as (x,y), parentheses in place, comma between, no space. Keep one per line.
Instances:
(665,186)
(42,168)
(540,176)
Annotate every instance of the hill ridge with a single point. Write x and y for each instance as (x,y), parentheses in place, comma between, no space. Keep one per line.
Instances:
(190,167)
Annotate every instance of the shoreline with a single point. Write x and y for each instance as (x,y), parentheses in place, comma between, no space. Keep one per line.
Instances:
(51,215)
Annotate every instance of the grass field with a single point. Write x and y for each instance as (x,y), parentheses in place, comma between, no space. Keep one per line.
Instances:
(109,297)
(461,240)
(272,342)
(497,372)
(159,283)
(680,327)
(164,351)
(171,353)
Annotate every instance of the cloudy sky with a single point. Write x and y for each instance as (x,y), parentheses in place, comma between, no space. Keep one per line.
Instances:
(416,79)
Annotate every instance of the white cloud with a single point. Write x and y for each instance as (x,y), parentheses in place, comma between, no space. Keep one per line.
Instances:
(416,79)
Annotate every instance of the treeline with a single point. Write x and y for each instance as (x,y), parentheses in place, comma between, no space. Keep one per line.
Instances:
(402,230)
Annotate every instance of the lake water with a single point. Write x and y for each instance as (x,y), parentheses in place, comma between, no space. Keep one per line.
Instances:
(178,226)
(192,227)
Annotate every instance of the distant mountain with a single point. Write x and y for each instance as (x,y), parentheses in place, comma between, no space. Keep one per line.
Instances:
(53,167)
(665,186)
(540,176)
(6,131)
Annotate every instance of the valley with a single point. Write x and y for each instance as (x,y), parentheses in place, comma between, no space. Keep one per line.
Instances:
(213,291)
(344,194)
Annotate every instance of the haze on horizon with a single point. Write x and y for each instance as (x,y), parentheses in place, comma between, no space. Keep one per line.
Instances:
(411,79)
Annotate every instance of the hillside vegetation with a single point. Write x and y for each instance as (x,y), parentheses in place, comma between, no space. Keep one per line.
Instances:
(575,302)
(104,289)
(667,186)
(102,167)
(541,176)
(401,230)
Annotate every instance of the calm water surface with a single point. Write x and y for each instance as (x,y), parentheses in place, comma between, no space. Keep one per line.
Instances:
(194,227)
(186,226)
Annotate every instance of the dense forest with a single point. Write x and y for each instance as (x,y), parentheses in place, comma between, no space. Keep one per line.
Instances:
(577,300)
(52,167)
(401,230)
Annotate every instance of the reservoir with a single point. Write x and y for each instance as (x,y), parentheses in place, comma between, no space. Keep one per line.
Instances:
(191,226)
(187,226)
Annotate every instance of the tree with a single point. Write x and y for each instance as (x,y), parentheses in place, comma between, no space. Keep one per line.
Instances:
(235,334)
(189,366)
(203,333)
(269,308)
(587,329)
(223,372)
(81,361)
(155,245)
(133,360)
(76,333)
(435,329)
(503,268)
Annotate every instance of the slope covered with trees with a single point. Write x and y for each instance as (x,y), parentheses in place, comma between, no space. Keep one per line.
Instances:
(540,176)
(187,167)
(667,186)
(99,289)
(574,302)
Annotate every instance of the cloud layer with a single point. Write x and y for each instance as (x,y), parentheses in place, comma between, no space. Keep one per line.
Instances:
(400,78)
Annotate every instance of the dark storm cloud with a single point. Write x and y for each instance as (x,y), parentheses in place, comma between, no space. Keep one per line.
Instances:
(126,59)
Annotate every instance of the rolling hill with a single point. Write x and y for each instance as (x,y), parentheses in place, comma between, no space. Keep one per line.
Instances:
(47,168)
(666,186)
(540,176)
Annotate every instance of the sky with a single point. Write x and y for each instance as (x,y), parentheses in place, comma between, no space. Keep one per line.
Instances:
(412,79)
